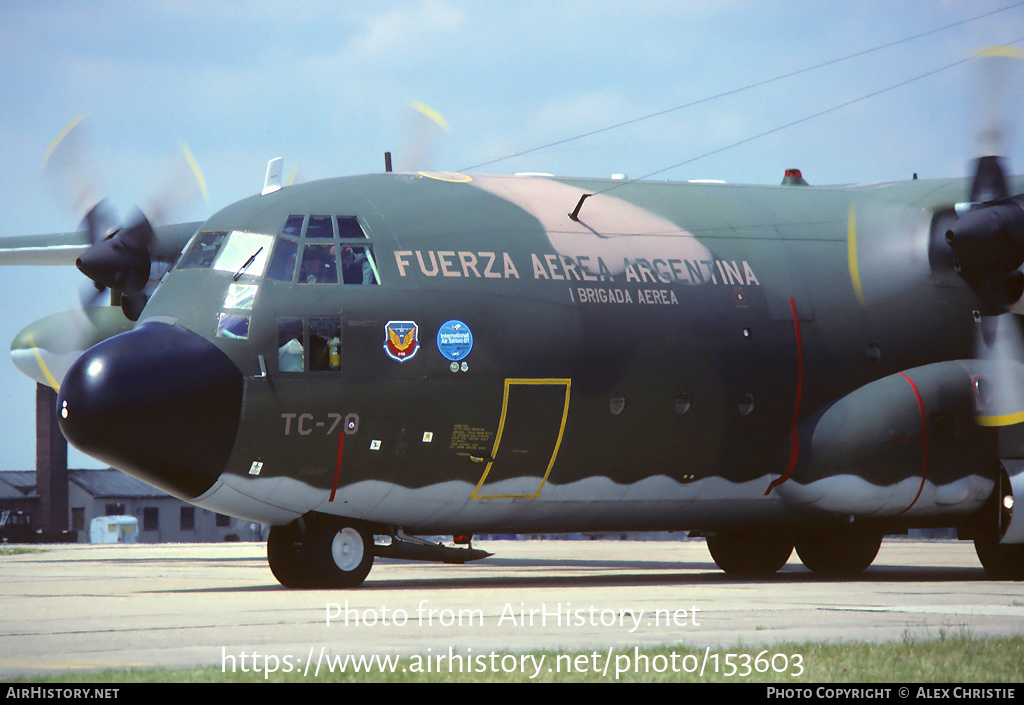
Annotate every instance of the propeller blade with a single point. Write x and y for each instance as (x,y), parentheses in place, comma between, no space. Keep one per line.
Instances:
(67,166)
(426,128)
(91,295)
(998,70)
(182,186)
(988,238)
(999,375)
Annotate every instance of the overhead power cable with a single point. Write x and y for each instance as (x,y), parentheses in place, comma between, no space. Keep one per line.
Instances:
(751,86)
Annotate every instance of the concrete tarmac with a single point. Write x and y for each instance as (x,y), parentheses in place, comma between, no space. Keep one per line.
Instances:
(76,607)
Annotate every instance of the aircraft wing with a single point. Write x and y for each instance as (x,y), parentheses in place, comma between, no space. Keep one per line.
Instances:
(928,194)
(64,248)
(55,248)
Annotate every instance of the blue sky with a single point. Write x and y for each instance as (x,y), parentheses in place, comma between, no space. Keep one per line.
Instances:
(327,86)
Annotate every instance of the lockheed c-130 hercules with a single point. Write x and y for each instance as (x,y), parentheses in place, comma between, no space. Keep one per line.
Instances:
(411,354)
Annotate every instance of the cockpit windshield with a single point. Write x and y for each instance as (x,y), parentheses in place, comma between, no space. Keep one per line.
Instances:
(310,249)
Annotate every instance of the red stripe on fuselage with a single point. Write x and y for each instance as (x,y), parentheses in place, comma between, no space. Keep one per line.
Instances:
(794,434)
(924,441)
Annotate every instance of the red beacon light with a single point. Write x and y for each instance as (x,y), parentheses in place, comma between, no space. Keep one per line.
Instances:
(793,177)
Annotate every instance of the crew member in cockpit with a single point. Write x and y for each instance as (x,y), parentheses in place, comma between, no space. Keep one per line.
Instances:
(318,265)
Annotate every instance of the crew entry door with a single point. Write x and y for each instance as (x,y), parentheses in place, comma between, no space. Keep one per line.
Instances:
(533,415)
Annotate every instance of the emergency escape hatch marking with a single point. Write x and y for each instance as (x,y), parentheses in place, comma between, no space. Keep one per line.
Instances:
(533,415)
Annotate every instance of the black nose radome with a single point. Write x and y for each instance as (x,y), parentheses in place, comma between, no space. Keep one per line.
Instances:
(160,403)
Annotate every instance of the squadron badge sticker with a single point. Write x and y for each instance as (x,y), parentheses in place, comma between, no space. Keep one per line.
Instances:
(401,340)
(454,340)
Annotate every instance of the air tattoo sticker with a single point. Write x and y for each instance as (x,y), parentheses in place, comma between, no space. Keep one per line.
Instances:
(401,340)
(454,340)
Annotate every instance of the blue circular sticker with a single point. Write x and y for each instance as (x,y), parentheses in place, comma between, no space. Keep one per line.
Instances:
(454,340)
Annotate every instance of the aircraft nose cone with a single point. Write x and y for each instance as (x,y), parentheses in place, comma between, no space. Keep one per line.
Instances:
(160,403)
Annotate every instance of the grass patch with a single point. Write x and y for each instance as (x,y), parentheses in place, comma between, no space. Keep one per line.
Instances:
(19,550)
(957,659)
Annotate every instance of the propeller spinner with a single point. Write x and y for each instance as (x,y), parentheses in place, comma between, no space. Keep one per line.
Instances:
(121,261)
(989,241)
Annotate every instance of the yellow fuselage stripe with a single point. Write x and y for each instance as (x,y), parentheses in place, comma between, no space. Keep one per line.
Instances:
(851,253)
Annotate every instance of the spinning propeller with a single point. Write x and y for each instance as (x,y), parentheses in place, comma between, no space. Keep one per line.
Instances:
(120,257)
(979,243)
(987,246)
(987,239)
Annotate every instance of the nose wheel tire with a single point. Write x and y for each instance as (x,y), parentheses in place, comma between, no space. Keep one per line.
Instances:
(284,546)
(339,555)
(320,554)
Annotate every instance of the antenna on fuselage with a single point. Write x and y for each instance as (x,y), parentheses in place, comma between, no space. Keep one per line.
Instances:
(575,215)
(272,182)
(387,162)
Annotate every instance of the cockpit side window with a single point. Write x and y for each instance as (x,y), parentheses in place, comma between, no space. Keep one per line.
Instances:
(325,343)
(290,351)
(283,261)
(203,251)
(316,339)
(358,265)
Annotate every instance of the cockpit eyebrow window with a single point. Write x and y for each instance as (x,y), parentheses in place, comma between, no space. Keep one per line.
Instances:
(323,249)
(320,227)
(348,227)
(293,226)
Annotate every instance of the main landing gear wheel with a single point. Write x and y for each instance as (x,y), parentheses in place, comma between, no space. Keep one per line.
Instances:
(749,553)
(837,553)
(1002,561)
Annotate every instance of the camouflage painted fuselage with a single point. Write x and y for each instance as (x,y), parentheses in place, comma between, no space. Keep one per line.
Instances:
(681,356)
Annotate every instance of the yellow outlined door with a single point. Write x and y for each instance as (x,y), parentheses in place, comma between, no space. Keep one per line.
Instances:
(533,414)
